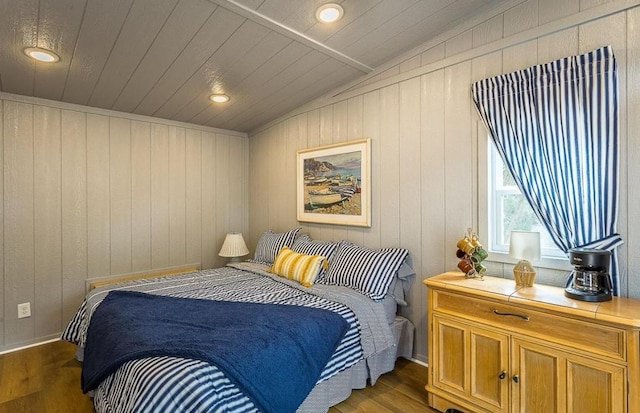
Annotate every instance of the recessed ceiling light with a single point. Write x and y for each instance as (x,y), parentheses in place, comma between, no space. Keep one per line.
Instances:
(219,98)
(41,55)
(329,13)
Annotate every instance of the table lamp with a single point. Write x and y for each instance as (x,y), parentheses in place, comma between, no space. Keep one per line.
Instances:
(524,246)
(234,247)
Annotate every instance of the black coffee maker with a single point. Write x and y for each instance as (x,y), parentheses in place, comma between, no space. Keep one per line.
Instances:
(590,278)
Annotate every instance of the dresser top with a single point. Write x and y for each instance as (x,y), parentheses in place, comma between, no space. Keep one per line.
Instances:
(620,310)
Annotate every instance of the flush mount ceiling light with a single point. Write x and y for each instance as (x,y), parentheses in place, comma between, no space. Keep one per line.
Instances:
(219,98)
(329,13)
(41,55)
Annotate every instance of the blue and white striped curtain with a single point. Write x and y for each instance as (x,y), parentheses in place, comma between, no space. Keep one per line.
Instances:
(556,128)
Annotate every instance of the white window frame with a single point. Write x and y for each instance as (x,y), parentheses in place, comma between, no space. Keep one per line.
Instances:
(488,162)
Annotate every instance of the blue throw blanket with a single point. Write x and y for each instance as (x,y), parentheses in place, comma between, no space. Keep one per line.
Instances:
(273,353)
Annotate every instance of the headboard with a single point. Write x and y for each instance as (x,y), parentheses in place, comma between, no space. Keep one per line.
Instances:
(98,282)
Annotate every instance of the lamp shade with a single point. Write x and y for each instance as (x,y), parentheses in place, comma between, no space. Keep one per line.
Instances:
(524,245)
(233,246)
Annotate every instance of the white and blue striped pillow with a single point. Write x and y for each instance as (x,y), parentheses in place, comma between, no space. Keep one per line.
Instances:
(367,271)
(304,244)
(270,243)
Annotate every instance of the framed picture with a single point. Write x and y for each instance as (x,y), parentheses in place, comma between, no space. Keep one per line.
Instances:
(333,184)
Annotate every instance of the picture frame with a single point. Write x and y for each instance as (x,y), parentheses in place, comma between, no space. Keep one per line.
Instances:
(333,184)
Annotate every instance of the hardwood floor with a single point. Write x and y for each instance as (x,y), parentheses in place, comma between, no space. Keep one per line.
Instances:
(46,379)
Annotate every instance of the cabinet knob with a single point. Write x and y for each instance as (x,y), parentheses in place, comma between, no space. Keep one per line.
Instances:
(516,378)
(502,374)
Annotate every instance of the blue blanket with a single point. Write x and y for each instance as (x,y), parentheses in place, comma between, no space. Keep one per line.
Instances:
(273,353)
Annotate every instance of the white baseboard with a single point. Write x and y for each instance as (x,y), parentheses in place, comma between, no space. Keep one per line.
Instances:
(39,343)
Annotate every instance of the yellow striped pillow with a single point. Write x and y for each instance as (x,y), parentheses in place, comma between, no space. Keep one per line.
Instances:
(299,267)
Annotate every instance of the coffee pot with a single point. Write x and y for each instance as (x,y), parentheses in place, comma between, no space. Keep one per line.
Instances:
(590,279)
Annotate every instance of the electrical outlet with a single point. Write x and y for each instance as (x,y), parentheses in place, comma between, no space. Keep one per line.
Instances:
(24,310)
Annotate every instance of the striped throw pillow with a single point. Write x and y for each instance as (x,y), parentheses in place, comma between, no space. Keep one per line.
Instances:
(305,245)
(367,271)
(270,243)
(298,267)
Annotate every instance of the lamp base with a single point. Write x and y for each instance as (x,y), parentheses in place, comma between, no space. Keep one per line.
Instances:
(524,274)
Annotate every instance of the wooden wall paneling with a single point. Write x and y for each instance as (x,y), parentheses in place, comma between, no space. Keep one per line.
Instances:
(245,183)
(389,161)
(23,26)
(97,37)
(588,4)
(120,191)
(632,155)
(200,110)
(220,61)
(279,200)
(326,138)
(237,175)
(2,242)
(410,64)
(340,122)
(48,228)
(181,26)
(435,251)
(488,31)
(432,172)
(355,107)
(98,197)
(290,194)
(371,128)
(313,141)
(521,17)
(301,142)
(223,24)
(434,54)
(410,197)
(550,10)
(160,196)
(270,170)
(18,219)
(558,45)
(74,212)
(259,192)
(223,204)
(328,73)
(194,196)
(208,188)
(177,193)
(520,56)
(340,135)
(141,196)
(144,20)
(58,24)
(458,44)
(458,172)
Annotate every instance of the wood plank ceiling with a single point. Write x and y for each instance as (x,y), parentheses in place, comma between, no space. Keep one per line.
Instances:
(164,58)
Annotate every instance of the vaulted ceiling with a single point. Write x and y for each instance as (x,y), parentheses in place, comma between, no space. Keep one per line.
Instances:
(164,58)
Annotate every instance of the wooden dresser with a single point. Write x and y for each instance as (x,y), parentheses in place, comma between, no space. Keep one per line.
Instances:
(495,347)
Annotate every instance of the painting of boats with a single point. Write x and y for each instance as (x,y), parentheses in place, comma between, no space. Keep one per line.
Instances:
(336,192)
(330,184)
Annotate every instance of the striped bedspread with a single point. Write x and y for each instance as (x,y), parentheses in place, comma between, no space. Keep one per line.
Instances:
(175,384)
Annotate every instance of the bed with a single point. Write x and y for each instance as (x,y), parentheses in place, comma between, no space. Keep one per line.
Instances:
(248,379)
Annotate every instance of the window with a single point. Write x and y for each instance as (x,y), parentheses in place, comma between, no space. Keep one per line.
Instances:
(509,210)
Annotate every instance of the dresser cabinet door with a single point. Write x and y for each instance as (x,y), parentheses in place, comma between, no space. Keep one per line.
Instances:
(548,380)
(594,386)
(472,363)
